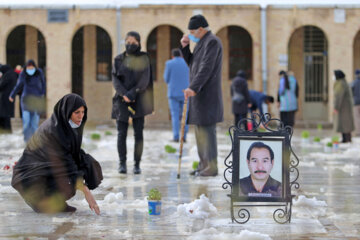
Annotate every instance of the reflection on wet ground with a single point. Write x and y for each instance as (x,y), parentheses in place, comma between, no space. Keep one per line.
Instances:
(332,177)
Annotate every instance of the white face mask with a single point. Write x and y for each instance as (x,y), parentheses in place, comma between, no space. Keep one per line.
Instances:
(73,125)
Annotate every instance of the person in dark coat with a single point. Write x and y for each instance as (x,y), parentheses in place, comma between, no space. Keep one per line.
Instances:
(32,83)
(205,102)
(355,87)
(53,165)
(241,101)
(343,107)
(7,83)
(131,77)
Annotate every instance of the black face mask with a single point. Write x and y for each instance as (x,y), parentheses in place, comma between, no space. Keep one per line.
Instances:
(132,48)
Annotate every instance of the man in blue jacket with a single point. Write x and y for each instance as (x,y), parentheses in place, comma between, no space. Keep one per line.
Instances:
(257,100)
(176,76)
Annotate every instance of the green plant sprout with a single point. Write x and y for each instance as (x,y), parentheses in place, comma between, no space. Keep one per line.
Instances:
(195,165)
(95,136)
(305,134)
(170,149)
(154,194)
(107,133)
(335,139)
(329,144)
(317,139)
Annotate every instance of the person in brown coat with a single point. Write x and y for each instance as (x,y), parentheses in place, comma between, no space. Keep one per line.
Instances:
(343,107)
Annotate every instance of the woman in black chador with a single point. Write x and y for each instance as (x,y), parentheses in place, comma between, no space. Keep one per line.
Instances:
(132,81)
(53,165)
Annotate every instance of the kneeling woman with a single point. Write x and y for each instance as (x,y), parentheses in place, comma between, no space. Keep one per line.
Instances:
(53,165)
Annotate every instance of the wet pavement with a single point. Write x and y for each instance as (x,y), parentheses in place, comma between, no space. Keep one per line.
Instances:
(329,186)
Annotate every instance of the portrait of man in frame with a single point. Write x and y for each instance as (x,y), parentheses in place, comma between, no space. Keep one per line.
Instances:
(261,168)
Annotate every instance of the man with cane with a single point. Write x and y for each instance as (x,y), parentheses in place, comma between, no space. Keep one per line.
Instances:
(204,92)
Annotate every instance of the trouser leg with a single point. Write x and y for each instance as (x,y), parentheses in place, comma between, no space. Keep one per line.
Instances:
(138,125)
(207,149)
(175,119)
(34,122)
(122,128)
(26,125)
(357,119)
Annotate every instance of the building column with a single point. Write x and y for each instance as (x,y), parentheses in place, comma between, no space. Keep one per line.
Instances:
(31,46)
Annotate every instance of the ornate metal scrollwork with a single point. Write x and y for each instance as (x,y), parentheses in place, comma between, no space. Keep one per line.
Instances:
(228,162)
(244,216)
(283,215)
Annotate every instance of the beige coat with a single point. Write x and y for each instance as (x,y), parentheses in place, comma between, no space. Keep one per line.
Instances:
(343,103)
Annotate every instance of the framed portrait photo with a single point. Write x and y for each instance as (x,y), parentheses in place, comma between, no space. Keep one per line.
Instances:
(260,170)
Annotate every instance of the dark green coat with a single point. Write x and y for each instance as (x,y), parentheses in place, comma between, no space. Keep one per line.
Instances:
(343,103)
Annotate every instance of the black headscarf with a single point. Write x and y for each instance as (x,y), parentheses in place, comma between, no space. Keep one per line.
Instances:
(339,74)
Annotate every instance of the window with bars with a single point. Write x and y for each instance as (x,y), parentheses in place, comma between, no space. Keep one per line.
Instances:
(315,64)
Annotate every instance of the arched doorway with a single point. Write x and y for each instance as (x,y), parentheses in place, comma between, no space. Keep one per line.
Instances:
(91,69)
(237,55)
(159,43)
(308,60)
(356,50)
(25,42)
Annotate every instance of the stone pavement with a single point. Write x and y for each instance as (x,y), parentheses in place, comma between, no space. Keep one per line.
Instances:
(332,177)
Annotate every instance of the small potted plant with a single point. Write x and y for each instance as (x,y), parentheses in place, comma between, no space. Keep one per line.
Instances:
(154,201)
(328,147)
(317,140)
(335,142)
(305,136)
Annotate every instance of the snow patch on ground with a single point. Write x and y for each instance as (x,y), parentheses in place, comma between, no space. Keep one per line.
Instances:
(201,208)
(316,208)
(213,234)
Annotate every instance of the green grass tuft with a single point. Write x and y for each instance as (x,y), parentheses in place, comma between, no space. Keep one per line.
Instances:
(95,136)
(170,149)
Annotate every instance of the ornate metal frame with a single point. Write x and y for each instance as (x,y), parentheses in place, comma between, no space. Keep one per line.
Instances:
(280,215)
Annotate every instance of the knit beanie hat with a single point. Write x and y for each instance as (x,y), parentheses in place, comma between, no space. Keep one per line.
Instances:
(197,21)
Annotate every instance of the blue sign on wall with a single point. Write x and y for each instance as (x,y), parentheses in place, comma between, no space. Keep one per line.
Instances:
(58,16)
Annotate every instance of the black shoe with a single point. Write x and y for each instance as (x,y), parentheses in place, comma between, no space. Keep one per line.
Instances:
(122,168)
(69,208)
(175,140)
(137,170)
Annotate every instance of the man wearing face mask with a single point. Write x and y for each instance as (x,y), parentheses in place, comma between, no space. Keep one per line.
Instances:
(131,77)
(32,83)
(204,91)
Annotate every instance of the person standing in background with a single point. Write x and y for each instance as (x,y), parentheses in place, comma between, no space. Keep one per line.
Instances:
(355,87)
(204,92)
(241,101)
(287,99)
(32,82)
(7,83)
(131,77)
(343,107)
(176,76)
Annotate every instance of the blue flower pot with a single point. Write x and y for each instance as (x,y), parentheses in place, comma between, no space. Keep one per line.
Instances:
(154,207)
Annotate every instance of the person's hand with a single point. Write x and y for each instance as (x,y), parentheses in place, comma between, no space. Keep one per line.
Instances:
(11,99)
(189,93)
(185,40)
(126,99)
(336,111)
(249,105)
(91,201)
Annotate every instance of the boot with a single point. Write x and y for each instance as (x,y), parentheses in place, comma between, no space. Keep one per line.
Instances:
(122,168)
(137,169)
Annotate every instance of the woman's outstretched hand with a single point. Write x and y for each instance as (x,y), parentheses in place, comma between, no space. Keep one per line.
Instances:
(91,200)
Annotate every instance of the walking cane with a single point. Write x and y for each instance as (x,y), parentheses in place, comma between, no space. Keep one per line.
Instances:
(182,133)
